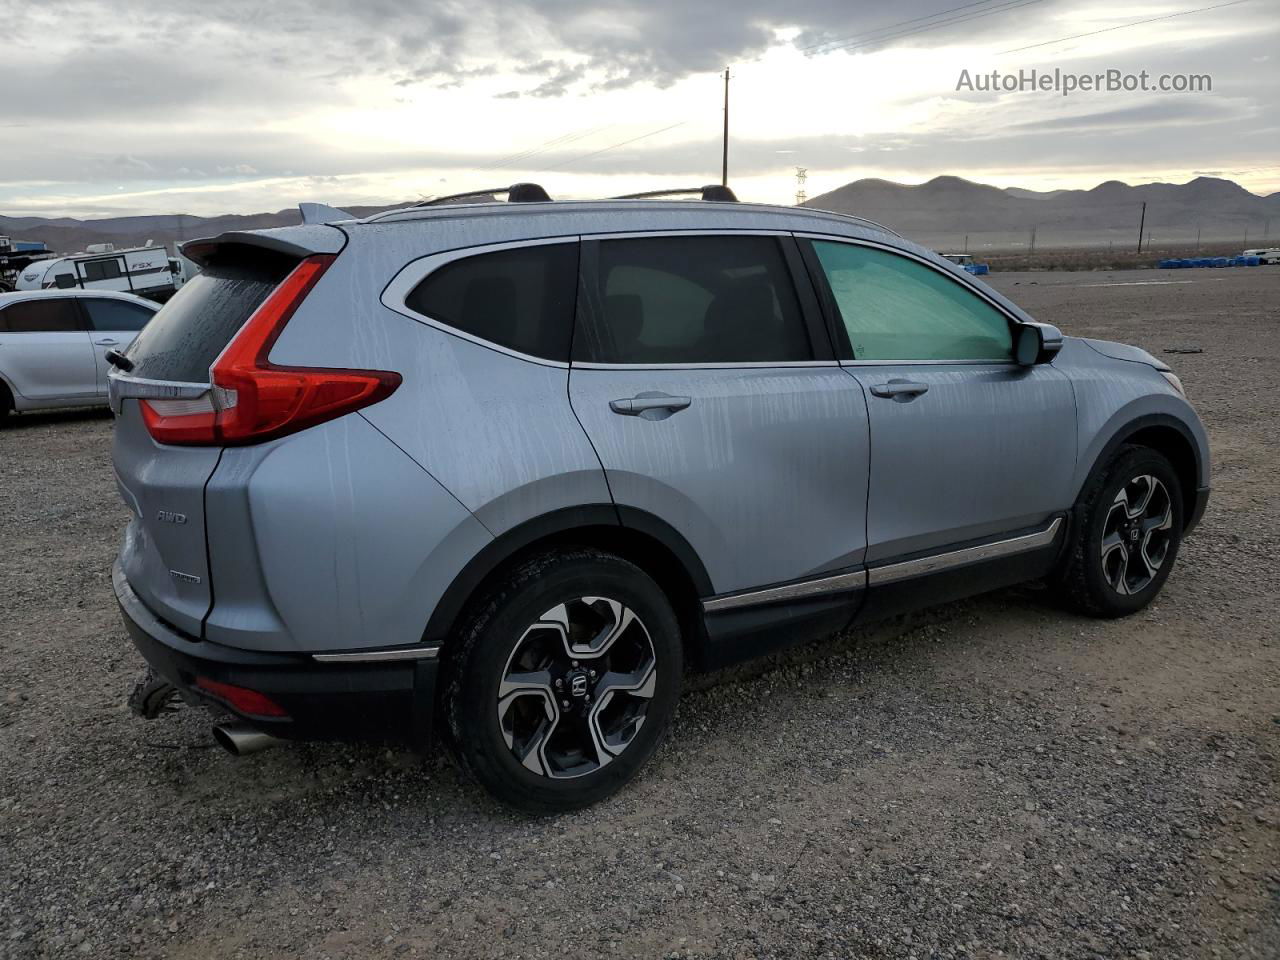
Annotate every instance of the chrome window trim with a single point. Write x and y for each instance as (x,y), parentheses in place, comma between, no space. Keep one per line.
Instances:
(791,591)
(692,232)
(893,572)
(414,272)
(379,656)
(727,365)
(928,363)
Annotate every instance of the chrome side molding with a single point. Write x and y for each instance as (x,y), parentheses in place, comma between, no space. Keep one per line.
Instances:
(889,573)
(791,591)
(378,656)
(961,558)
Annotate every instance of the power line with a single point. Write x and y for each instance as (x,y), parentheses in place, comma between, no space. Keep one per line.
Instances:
(892,26)
(613,146)
(855,43)
(1123,26)
(562,140)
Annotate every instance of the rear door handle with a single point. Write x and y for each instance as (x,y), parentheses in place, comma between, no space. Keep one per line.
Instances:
(635,406)
(900,388)
(106,343)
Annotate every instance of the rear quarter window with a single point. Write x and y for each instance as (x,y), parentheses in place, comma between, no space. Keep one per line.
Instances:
(522,298)
(180,343)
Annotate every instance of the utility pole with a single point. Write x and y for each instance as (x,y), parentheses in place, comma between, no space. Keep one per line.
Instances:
(1033,239)
(966,243)
(1142,225)
(724,149)
(802,174)
(1197,238)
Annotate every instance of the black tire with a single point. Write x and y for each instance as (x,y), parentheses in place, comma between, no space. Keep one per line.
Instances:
(1088,579)
(500,627)
(6,402)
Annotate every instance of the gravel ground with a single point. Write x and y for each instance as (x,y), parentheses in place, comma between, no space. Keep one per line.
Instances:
(992,778)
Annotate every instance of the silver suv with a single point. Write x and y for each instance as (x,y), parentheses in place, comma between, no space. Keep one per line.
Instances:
(506,470)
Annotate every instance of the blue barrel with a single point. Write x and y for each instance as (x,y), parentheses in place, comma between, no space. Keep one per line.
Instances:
(1219,261)
(981,269)
(1252,261)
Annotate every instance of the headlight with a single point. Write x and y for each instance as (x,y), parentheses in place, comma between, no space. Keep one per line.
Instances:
(1174,381)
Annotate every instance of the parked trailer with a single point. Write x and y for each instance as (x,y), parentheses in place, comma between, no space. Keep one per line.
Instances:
(146,271)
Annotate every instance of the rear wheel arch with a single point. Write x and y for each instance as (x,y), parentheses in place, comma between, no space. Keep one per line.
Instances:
(1169,437)
(634,535)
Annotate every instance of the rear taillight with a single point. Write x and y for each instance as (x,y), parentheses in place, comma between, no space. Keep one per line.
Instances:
(252,399)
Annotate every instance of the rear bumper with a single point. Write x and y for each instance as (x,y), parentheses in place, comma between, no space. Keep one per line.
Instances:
(333,700)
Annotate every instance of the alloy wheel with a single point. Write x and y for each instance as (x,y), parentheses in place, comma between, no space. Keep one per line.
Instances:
(576,687)
(1136,534)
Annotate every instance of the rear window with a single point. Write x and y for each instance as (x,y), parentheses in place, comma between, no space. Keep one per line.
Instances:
(181,342)
(522,298)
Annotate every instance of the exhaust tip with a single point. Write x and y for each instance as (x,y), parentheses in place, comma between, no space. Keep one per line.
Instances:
(240,739)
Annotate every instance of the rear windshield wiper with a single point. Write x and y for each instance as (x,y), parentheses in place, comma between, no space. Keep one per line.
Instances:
(119,360)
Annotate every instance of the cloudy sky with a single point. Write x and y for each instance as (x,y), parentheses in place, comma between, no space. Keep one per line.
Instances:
(173,106)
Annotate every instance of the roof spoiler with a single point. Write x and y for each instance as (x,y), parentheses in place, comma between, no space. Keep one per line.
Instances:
(291,241)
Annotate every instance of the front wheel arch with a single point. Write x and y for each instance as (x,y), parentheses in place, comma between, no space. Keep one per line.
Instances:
(1172,439)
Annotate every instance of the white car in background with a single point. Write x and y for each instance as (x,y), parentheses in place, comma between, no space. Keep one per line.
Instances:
(54,344)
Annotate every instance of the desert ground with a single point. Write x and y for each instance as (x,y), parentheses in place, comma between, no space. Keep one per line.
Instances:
(994,778)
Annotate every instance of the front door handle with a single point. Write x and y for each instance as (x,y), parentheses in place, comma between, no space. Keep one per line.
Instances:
(106,343)
(904,389)
(656,406)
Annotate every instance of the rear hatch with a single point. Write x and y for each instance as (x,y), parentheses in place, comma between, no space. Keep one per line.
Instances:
(164,554)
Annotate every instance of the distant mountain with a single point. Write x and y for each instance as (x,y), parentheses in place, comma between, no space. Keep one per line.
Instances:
(943,211)
(68,235)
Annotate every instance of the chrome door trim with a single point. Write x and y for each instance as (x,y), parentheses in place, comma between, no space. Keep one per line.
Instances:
(411,274)
(893,572)
(379,656)
(791,591)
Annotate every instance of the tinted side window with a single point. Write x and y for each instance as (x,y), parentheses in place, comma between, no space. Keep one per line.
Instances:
(522,298)
(102,270)
(116,315)
(897,309)
(41,316)
(706,299)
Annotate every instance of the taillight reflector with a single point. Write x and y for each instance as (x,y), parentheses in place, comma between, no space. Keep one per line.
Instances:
(252,399)
(242,699)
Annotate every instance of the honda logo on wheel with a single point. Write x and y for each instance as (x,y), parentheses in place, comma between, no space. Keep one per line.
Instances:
(578,685)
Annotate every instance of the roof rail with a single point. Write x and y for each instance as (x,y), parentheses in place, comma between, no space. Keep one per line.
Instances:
(712,191)
(516,193)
